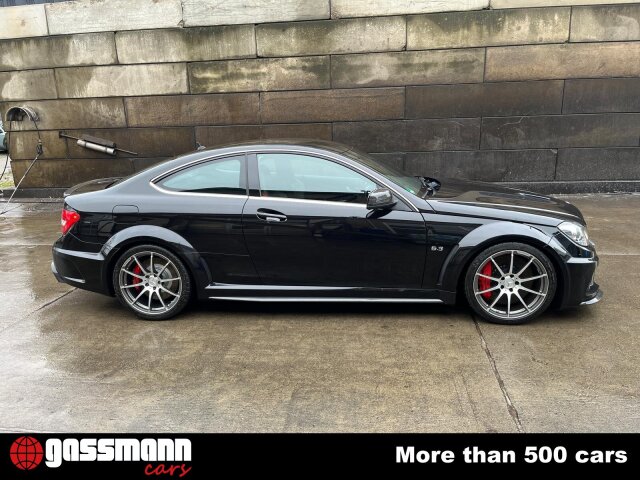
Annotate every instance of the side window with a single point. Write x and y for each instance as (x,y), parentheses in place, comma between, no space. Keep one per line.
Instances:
(311,178)
(226,175)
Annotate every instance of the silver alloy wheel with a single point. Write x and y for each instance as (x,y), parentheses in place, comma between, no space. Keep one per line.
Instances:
(150,283)
(516,288)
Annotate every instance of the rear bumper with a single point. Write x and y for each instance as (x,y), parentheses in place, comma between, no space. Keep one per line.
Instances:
(59,277)
(80,269)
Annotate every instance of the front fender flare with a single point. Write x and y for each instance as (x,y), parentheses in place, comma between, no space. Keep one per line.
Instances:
(139,234)
(480,238)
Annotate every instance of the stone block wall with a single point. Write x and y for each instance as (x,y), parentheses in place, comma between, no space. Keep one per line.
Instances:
(537,93)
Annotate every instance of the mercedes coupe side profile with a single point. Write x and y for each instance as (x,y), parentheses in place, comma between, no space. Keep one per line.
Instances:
(296,221)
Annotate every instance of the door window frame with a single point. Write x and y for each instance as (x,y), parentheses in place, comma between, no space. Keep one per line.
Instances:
(254,178)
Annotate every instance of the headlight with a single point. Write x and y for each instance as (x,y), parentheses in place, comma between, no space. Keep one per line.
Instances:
(575,232)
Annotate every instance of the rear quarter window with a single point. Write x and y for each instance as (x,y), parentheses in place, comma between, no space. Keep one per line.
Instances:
(221,176)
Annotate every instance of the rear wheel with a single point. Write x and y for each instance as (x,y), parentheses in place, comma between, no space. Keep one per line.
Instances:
(510,283)
(152,282)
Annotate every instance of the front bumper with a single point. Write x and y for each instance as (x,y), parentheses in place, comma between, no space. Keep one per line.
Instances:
(580,287)
(595,299)
(79,269)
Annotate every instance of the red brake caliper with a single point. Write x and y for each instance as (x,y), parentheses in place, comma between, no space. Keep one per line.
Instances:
(485,283)
(138,271)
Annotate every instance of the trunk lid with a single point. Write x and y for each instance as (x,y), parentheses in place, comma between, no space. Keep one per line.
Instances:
(91,186)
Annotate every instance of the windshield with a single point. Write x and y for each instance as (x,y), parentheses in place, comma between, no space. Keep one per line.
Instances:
(411,184)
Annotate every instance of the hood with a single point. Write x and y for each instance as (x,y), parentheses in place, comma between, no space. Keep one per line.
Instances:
(454,193)
(91,186)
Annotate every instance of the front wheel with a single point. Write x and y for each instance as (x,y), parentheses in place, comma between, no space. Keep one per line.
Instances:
(152,282)
(510,283)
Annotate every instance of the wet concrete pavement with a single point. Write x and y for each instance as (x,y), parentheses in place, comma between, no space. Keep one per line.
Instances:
(76,361)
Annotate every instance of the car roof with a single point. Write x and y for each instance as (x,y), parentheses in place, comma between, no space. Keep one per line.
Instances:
(285,142)
(236,147)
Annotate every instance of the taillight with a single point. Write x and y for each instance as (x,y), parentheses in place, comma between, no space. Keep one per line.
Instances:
(69,219)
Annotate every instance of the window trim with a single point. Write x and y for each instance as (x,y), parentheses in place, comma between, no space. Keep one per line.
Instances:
(308,200)
(252,163)
(154,182)
(256,172)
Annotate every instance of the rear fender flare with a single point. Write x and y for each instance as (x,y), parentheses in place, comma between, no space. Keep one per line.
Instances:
(140,234)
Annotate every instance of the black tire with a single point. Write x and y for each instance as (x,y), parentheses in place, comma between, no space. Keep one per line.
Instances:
(148,280)
(505,284)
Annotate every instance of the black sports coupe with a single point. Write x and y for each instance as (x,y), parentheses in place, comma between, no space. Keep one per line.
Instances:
(287,221)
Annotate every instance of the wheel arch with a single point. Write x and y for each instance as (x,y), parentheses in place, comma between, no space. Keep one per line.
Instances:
(488,235)
(161,237)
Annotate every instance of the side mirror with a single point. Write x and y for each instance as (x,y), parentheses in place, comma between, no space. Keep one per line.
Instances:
(380,199)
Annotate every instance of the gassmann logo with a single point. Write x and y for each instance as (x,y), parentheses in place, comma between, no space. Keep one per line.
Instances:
(26,453)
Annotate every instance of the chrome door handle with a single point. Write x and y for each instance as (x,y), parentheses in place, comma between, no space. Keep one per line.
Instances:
(271,216)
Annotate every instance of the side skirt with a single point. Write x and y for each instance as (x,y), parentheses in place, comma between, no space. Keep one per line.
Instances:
(303,293)
(330,299)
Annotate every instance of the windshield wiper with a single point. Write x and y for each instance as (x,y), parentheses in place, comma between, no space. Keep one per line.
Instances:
(430,184)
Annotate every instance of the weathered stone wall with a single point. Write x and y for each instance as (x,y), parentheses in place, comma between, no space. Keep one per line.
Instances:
(544,93)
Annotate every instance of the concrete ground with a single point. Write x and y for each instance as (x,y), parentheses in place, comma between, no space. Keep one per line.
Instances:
(76,361)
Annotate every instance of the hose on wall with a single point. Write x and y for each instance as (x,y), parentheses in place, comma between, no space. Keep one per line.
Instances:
(18,114)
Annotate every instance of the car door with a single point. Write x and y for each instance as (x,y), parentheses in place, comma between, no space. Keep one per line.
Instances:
(306,223)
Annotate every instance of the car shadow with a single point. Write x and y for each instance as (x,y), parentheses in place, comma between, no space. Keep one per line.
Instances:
(369,308)
(321,308)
